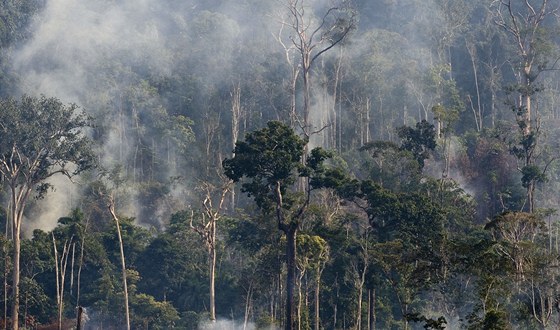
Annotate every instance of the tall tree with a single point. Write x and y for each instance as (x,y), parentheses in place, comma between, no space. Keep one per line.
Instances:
(310,38)
(39,138)
(206,229)
(528,25)
(271,160)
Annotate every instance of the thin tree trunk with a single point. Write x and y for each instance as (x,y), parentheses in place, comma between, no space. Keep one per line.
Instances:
(235,121)
(359,308)
(299,297)
(123,264)
(372,315)
(291,309)
(79,318)
(60,272)
(16,268)
(81,262)
(317,292)
(72,267)
(248,303)
(213,271)
(5,250)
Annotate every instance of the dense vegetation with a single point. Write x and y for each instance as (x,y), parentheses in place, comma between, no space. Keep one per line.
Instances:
(301,164)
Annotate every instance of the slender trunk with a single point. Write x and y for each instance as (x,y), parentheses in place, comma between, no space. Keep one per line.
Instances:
(72,267)
(60,265)
(527,101)
(15,281)
(5,250)
(291,312)
(359,308)
(369,309)
(306,96)
(479,107)
(123,264)
(235,121)
(56,271)
(248,303)
(212,254)
(15,270)
(317,292)
(336,118)
(335,313)
(367,123)
(372,316)
(299,283)
(79,318)
(80,264)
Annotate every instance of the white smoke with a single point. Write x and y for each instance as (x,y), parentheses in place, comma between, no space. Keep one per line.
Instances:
(74,54)
(231,325)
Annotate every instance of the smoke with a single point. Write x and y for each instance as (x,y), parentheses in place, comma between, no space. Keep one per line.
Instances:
(232,325)
(105,55)
(72,39)
(88,53)
(101,54)
(55,204)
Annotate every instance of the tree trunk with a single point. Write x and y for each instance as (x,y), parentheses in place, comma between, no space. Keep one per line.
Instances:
(79,318)
(5,250)
(372,317)
(60,272)
(15,278)
(317,292)
(248,303)
(212,254)
(291,310)
(80,265)
(235,121)
(123,263)
(359,308)
(17,215)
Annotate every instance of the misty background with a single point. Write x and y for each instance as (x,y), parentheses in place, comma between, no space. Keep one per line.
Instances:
(136,66)
(171,85)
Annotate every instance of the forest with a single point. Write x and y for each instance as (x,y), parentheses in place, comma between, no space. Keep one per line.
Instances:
(280,164)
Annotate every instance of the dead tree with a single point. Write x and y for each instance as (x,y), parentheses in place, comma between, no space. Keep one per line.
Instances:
(206,228)
(311,38)
(60,271)
(111,207)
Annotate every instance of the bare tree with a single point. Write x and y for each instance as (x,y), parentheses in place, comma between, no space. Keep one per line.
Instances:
(111,207)
(206,228)
(524,22)
(60,272)
(311,38)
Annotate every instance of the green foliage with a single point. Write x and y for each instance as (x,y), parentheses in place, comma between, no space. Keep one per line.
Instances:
(41,137)
(152,314)
(168,112)
(493,320)
(437,324)
(268,157)
(532,174)
(419,141)
(15,17)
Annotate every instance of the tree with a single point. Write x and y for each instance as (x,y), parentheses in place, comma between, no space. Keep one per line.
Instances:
(111,207)
(206,229)
(61,264)
(108,191)
(313,255)
(419,141)
(312,38)
(526,24)
(39,138)
(271,160)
